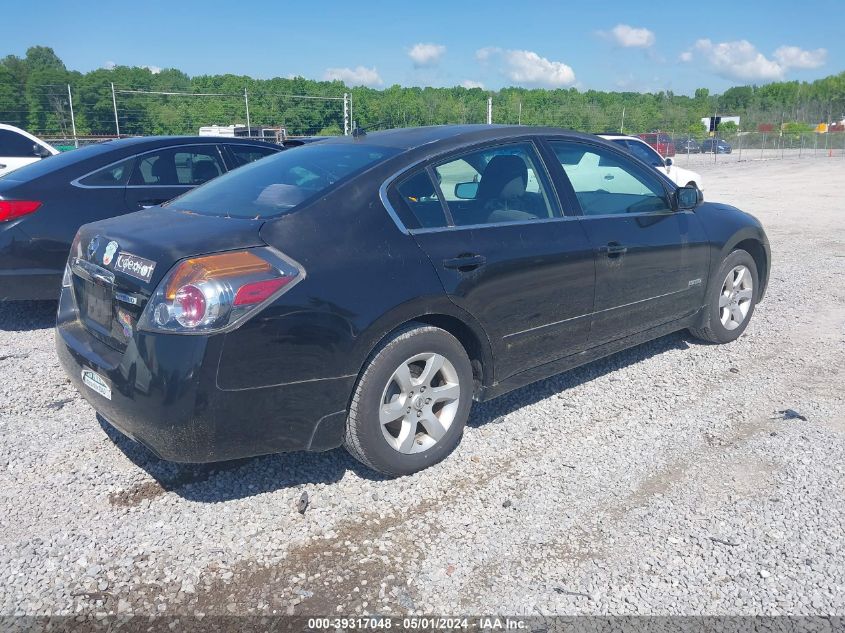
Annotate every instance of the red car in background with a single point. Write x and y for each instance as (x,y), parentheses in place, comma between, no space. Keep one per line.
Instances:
(660,141)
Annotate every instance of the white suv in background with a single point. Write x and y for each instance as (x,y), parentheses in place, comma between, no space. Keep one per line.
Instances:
(19,148)
(646,152)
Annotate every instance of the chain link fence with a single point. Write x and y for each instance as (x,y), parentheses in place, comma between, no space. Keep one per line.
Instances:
(69,115)
(735,146)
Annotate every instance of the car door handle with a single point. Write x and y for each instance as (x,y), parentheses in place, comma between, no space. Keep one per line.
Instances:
(613,249)
(2,167)
(465,263)
(609,176)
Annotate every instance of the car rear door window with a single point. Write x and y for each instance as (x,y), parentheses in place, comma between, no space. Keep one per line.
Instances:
(14,145)
(496,184)
(177,166)
(420,197)
(116,175)
(244,154)
(606,183)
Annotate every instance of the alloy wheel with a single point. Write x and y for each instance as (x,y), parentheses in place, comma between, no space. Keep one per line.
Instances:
(735,298)
(419,403)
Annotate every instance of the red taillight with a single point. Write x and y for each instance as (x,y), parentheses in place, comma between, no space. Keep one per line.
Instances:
(213,293)
(191,302)
(11,209)
(258,291)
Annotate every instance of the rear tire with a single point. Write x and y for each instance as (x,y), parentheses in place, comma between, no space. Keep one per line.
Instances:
(730,301)
(411,402)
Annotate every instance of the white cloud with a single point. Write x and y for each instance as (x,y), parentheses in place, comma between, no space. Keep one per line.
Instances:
(742,60)
(794,57)
(632,37)
(527,67)
(153,69)
(426,54)
(358,76)
(109,65)
(484,54)
(738,60)
(469,83)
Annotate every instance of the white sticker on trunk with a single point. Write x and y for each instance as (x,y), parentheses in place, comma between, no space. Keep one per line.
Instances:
(96,382)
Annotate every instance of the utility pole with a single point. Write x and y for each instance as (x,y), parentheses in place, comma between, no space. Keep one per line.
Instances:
(72,120)
(715,136)
(248,125)
(622,127)
(346,114)
(489,110)
(114,103)
(519,116)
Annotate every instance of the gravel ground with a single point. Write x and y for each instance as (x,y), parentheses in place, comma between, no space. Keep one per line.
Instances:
(653,482)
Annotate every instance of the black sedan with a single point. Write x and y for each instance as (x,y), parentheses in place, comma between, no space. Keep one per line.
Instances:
(364,291)
(715,146)
(687,145)
(42,205)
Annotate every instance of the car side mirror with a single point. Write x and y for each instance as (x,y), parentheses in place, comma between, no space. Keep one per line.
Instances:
(669,162)
(466,190)
(688,198)
(40,151)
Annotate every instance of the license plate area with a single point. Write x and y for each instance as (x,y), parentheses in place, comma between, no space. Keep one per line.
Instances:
(106,310)
(96,305)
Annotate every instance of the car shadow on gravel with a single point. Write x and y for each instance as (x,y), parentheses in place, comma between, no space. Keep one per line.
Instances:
(238,479)
(16,316)
(235,479)
(494,410)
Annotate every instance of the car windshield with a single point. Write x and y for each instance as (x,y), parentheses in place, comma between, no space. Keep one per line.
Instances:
(277,184)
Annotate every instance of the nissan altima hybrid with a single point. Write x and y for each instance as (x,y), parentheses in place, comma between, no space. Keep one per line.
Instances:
(363,291)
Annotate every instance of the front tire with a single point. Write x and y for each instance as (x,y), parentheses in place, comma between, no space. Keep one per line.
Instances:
(731,300)
(411,402)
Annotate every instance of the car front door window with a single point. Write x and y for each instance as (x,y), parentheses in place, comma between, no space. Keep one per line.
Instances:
(605,183)
(14,145)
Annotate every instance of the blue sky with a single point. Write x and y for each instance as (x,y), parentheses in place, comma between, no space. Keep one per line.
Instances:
(608,45)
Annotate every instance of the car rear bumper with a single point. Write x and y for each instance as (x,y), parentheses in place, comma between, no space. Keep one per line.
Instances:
(26,285)
(164,394)
(20,278)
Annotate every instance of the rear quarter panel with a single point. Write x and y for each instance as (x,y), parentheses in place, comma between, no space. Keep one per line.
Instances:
(364,277)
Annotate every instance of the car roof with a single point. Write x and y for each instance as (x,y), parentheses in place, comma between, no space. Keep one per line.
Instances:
(97,155)
(156,141)
(417,137)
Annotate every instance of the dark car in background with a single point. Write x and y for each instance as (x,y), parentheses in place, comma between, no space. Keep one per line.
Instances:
(687,145)
(715,146)
(363,291)
(43,204)
(660,141)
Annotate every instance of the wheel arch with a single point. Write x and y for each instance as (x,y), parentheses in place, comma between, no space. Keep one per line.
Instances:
(450,318)
(754,247)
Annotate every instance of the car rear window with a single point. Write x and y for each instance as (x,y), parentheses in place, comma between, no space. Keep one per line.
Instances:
(277,184)
(59,161)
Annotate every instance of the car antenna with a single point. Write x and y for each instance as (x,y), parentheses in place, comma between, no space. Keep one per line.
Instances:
(357,131)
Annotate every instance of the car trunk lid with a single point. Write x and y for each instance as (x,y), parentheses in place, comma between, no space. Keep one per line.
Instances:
(119,262)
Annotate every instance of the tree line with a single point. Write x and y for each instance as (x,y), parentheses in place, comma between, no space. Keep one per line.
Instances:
(34,96)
